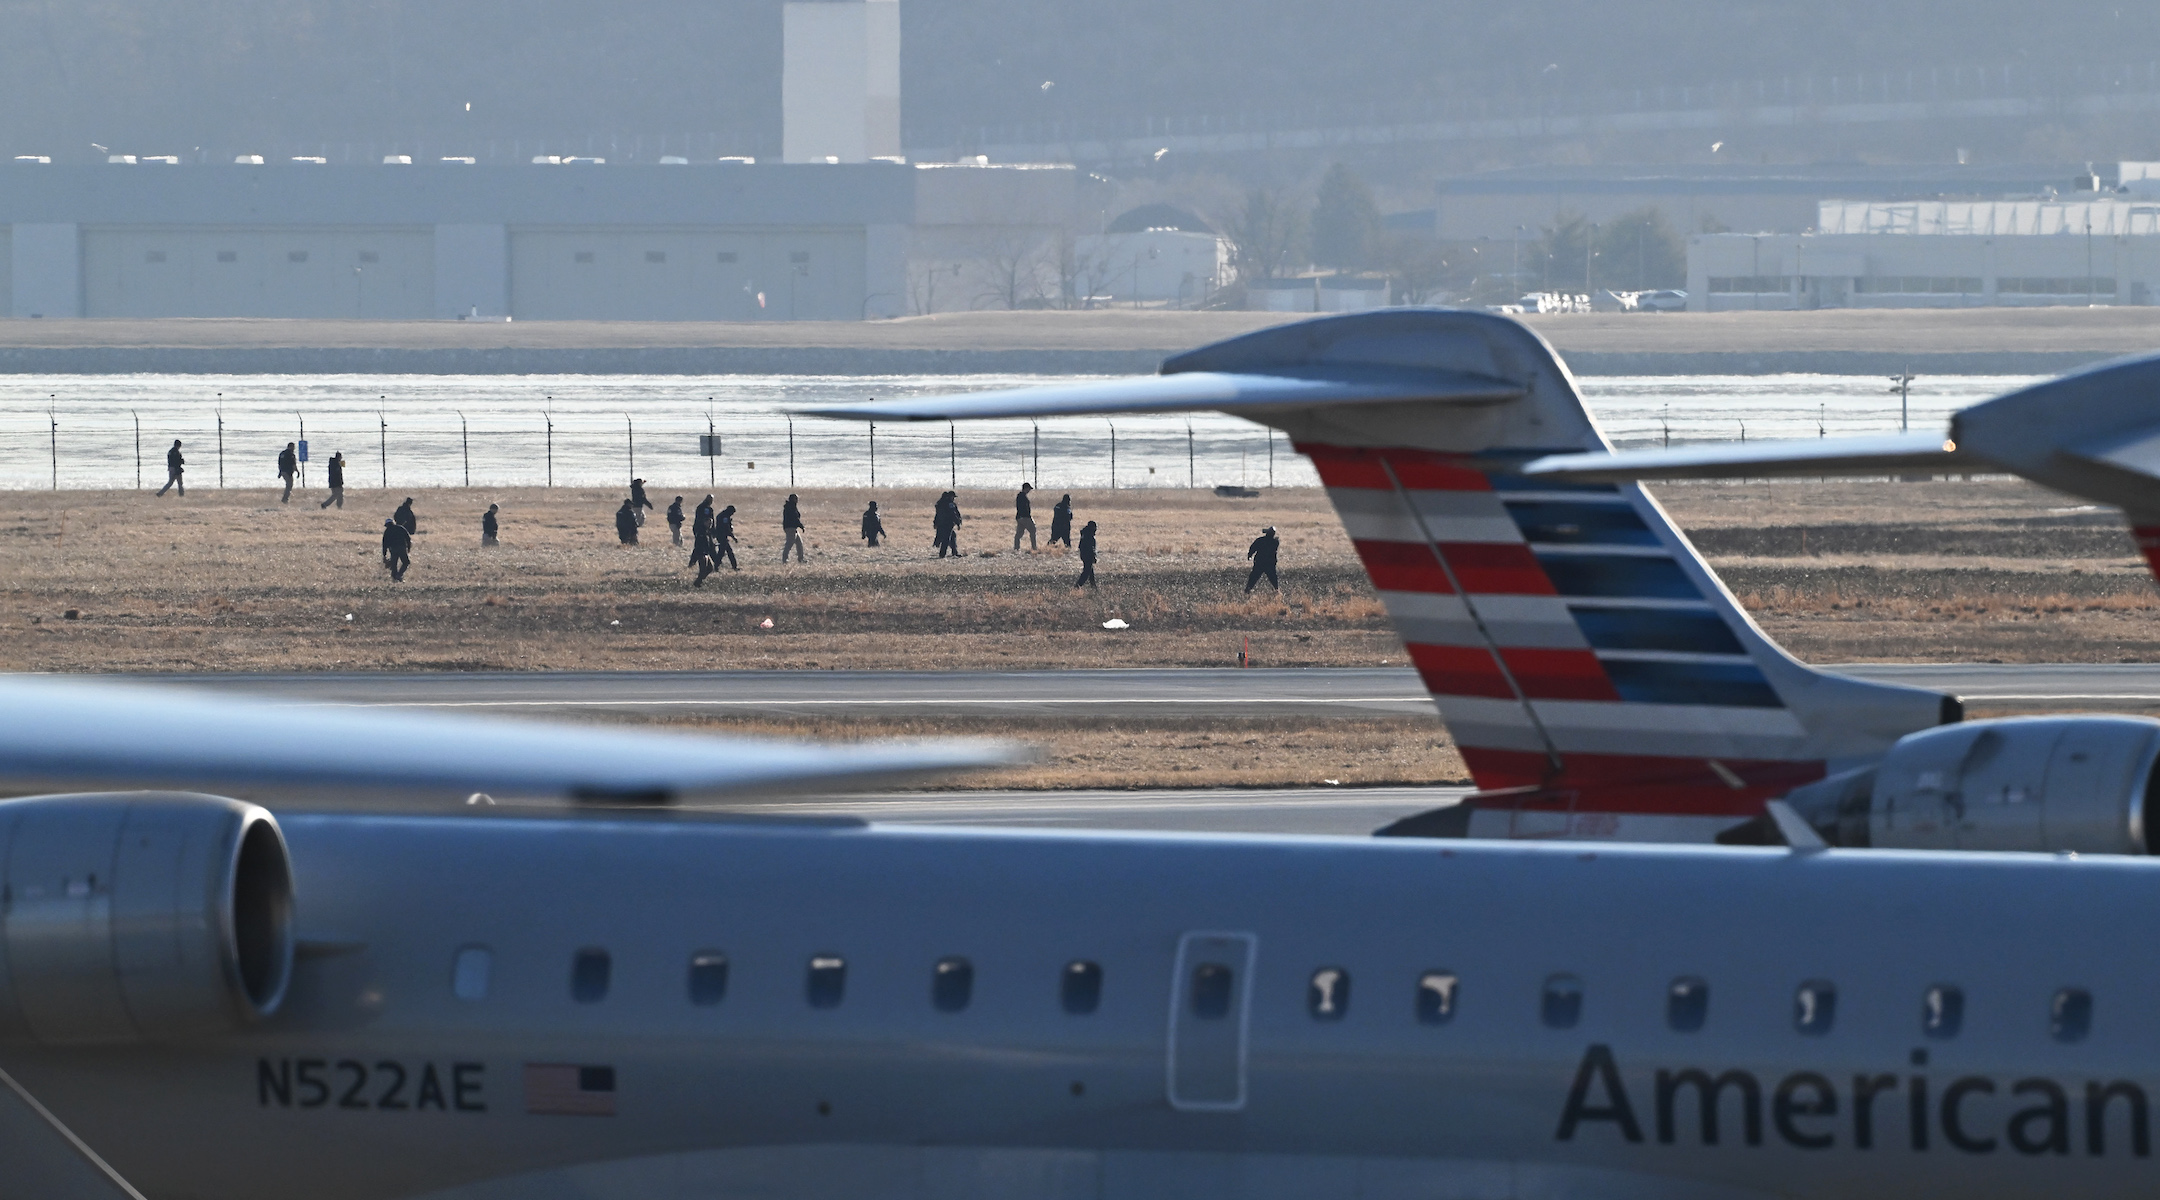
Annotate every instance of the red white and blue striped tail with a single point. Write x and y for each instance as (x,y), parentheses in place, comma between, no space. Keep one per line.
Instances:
(1598,679)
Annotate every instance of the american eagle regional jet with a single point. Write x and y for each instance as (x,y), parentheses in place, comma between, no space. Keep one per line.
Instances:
(1598,678)
(200,1000)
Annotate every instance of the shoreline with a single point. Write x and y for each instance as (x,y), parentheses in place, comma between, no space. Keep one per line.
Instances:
(2032,341)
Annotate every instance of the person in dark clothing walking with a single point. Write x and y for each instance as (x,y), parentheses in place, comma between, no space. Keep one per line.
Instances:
(337,482)
(701,550)
(872,527)
(1061,521)
(791,524)
(488,526)
(1024,517)
(701,520)
(1262,553)
(175,467)
(626,523)
(945,524)
(288,465)
(1087,556)
(638,503)
(674,520)
(396,549)
(723,538)
(404,516)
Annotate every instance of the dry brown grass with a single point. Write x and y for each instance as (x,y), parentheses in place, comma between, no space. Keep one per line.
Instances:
(234,581)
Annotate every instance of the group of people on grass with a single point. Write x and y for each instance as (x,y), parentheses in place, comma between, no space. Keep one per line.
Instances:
(712,532)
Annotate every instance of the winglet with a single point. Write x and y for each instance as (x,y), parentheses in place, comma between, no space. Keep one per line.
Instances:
(1797,833)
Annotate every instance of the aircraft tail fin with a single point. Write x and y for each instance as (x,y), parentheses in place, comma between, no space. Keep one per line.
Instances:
(1597,677)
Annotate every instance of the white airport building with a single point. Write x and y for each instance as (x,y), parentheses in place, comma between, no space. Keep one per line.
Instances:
(842,230)
(2085,246)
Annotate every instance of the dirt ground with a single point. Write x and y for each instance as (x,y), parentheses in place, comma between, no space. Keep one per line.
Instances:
(234,581)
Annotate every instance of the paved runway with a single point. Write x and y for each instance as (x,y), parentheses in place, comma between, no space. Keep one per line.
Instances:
(1354,812)
(1166,691)
(1162,692)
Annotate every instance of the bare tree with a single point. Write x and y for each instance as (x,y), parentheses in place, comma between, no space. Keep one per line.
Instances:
(1266,233)
(1020,266)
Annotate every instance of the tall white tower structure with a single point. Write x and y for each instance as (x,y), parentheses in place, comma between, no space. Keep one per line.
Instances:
(840,80)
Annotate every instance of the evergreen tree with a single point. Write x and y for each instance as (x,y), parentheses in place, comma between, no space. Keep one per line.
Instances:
(1345,222)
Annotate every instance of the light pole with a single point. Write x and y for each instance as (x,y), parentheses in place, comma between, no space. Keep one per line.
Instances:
(1113,454)
(138,448)
(465,444)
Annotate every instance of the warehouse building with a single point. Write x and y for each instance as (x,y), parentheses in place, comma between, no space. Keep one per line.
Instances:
(711,242)
(2088,246)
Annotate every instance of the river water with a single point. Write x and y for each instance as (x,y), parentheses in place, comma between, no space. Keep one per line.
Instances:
(496,431)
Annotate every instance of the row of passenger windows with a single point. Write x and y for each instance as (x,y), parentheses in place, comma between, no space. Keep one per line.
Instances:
(1212,989)
(720,256)
(233,256)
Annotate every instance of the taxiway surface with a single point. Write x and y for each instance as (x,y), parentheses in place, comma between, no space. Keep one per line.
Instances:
(1285,691)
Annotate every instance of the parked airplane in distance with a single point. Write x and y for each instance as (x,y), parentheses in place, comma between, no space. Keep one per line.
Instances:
(206,1002)
(1598,678)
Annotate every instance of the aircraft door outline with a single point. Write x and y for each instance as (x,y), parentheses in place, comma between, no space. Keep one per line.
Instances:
(1210,1021)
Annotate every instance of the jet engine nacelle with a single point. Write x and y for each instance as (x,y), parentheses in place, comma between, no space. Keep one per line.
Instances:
(140,916)
(2079,783)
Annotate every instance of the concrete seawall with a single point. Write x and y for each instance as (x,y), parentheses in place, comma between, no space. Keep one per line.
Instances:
(852,360)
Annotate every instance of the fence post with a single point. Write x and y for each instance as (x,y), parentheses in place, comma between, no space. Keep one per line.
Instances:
(550,419)
(303,462)
(791,453)
(221,446)
(952,454)
(1189,473)
(630,432)
(54,432)
(1036,475)
(712,461)
(1113,454)
(1271,459)
(138,448)
(382,445)
(465,444)
(873,454)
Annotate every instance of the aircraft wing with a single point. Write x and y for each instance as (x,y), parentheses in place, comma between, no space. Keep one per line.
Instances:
(136,735)
(44,1158)
(1933,452)
(1187,391)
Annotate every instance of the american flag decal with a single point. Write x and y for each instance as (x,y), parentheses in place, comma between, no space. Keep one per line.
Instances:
(568,1090)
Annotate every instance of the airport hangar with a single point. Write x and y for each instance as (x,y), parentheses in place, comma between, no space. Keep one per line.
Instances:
(726,241)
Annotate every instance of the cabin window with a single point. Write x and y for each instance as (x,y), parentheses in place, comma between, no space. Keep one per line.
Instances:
(296,256)
(656,256)
(1328,998)
(369,256)
(1561,1005)
(828,980)
(1212,986)
(708,978)
(798,256)
(1815,1007)
(726,256)
(228,256)
(1942,1011)
(952,983)
(1687,1004)
(153,256)
(1080,987)
(589,971)
(469,973)
(583,256)
(1436,997)
(2070,1015)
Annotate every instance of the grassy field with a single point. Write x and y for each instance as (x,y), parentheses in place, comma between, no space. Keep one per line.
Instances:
(235,581)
